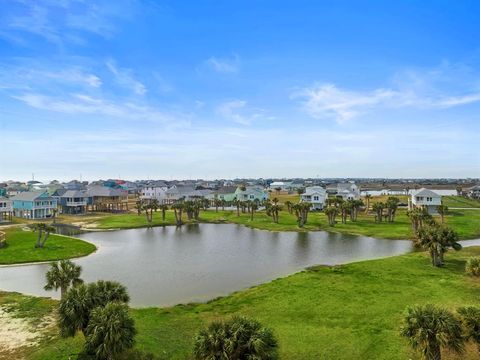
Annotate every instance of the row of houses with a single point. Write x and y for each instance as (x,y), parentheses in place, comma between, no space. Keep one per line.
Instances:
(39,204)
(169,194)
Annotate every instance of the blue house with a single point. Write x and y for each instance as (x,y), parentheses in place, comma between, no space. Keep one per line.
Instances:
(34,205)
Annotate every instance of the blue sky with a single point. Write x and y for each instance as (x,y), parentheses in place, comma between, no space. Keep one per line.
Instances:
(224,89)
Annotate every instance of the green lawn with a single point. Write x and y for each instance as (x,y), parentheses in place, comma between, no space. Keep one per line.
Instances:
(347,312)
(466,222)
(460,202)
(21,247)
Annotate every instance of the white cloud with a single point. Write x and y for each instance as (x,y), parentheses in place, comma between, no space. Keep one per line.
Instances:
(435,89)
(125,78)
(231,110)
(86,104)
(224,65)
(65,21)
(326,100)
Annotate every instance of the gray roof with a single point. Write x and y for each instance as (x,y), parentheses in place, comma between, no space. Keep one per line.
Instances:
(226,190)
(426,192)
(30,196)
(74,194)
(181,190)
(96,191)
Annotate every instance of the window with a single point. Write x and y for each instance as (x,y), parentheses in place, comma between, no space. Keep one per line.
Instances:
(315,198)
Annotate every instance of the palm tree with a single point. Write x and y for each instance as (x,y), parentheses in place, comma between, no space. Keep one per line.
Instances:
(41,229)
(442,211)
(392,205)
(378,209)
(470,317)
(164,208)
(367,207)
(139,206)
(178,208)
(236,339)
(289,204)
(76,307)
(331,213)
(437,240)
(419,217)
(253,206)
(62,275)
(111,331)
(301,212)
(430,329)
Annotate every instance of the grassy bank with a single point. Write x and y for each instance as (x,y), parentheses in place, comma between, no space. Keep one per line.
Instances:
(347,312)
(466,222)
(460,202)
(21,247)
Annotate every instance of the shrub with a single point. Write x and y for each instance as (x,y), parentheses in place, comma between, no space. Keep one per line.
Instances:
(473,266)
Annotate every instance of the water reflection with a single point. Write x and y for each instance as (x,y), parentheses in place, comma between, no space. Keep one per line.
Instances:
(169,265)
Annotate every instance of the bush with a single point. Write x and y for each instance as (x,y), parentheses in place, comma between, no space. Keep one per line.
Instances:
(473,266)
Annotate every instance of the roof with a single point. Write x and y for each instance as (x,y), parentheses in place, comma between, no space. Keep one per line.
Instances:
(74,194)
(314,190)
(30,196)
(426,192)
(104,191)
(344,186)
(226,190)
(179,189)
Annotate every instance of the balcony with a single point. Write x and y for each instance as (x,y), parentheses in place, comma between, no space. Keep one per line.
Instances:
(76,203)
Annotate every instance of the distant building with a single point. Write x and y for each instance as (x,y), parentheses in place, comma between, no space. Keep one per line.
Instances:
(426,199)
(315,195)
(102,198)
(252,193)
(282,185)
(34,205)
(74,202)
(155,190)
(473,192)
(226,193)
(6,209)
(348,191)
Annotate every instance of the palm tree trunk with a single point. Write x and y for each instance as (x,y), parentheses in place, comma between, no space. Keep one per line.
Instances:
(63,292)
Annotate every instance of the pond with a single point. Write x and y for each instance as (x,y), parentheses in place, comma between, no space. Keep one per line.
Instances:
(171,265)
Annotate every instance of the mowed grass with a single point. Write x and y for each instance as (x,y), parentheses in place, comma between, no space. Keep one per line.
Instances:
(21,247)
(460,202)
(466,222)
(352,311)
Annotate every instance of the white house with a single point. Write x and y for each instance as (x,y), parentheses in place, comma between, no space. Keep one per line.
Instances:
(348,191)
(315,195)
(154,191)
(474,192)
(427,199)
(282,185)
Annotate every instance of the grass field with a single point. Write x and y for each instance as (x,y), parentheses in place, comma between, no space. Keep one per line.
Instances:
(347,312)
(466,222)
(21,247)
(460,202)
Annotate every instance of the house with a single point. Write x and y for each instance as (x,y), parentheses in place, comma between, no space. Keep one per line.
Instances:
(74,202)
(177,192)
(154,190)
(200,194)
(34,205)
(281,185)
(315,195)
(6,209)
(348,191)
(252,193)
(226,193)
(427,199)
(473,192)
(102,198)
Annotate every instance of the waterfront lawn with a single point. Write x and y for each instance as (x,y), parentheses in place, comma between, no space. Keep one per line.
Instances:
(466,222)
(351,311)
(460,202)
(21,247)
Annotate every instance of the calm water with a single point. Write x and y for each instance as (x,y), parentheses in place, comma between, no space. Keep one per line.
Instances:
(169,265)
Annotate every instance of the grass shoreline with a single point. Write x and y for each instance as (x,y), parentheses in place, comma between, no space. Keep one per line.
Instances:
(350,311)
